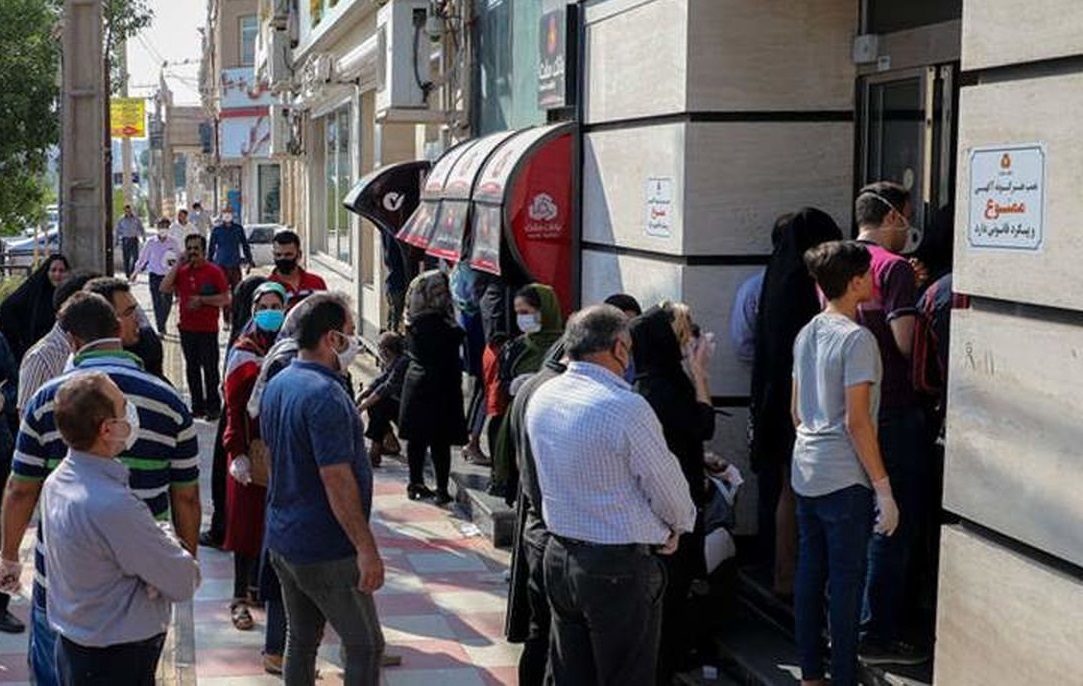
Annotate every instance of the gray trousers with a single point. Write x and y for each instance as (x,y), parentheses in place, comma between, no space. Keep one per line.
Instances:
(315,594)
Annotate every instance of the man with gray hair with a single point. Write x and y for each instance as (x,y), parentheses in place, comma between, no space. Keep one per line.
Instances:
(613,497)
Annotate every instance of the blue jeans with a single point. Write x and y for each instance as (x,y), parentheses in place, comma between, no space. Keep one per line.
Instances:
(42,654)
(833,534)
(906,456)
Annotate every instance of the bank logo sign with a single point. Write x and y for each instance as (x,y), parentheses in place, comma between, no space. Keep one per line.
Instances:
(1007,197)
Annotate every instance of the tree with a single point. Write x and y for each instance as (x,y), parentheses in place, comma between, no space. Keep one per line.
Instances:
(124,19)
(29,123)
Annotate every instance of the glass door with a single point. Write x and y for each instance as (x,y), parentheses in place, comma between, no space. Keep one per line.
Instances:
(907,136)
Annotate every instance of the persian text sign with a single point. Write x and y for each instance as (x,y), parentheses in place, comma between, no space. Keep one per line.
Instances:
(128,117)
(1007,197)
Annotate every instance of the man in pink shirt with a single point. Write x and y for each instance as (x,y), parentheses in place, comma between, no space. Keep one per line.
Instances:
(882,212)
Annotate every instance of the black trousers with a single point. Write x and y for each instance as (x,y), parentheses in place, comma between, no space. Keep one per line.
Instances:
(130,252)
(162,302)
(219,475)
(534,661)
(130,664)
(606,603)
(381,416)
(441,462)
(201,369)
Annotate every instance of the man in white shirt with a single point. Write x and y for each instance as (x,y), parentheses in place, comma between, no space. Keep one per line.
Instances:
(158,257)
(200,219)
(613,496)
(182,228)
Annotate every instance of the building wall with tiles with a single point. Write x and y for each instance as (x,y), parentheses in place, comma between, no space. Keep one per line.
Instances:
(1013,466)
(744,111)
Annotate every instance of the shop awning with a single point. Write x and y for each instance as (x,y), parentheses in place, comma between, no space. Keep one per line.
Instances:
(388,196)
(507,196)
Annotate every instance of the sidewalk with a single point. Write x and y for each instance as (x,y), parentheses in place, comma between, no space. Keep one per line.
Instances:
(442,605)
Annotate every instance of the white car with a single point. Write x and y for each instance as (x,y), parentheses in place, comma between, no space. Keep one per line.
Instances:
(260,240)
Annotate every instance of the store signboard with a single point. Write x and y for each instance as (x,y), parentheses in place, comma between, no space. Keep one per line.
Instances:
(1007,197)
(128,117)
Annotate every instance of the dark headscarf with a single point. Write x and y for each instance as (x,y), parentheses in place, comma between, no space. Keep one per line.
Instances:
(28,314)
(788,301)
(662,381)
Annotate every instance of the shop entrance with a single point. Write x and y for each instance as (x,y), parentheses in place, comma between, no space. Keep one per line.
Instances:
(907,134)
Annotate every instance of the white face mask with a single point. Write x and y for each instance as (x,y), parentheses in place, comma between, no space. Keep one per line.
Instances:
(346,357)
(227,218)
(131,418)
(528,323)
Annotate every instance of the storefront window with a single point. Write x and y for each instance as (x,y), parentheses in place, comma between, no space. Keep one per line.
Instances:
(336,241)
(889,16)
(506,92)
(270,194)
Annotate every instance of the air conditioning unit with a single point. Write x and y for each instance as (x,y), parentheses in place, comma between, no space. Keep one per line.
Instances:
(402,70)
(279,74)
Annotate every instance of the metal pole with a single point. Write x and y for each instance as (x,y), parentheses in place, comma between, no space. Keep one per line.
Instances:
(83,185)
(126,141)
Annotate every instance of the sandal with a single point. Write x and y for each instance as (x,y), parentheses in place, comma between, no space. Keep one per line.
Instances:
(240,616)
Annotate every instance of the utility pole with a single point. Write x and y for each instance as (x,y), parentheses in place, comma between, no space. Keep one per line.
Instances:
(126,141)
(83,186)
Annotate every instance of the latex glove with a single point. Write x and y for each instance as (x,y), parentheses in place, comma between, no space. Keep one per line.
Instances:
(11,572)
(241,469)
(153,593)
(887,512)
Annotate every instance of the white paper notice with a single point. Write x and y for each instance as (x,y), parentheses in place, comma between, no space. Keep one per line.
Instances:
(658,216)
(1007,197)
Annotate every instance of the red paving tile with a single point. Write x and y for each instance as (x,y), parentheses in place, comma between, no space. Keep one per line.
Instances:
(431,654)
(500,676)
(211,662)
(478,625)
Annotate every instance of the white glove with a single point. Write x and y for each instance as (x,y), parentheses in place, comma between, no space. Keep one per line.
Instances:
(11,573)
(241,469)
(887,512)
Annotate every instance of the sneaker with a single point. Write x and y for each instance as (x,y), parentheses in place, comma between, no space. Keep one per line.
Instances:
(893,653)
(207,540)
(442,498)
(213,415)
(10,624)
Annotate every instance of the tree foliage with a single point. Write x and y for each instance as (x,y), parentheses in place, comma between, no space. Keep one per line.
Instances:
(29,58)
(124,19)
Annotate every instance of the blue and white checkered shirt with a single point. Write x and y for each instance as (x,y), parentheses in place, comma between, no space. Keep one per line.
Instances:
(605,473)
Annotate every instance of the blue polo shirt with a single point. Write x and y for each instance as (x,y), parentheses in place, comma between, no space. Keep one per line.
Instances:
(165,455)
(309,421)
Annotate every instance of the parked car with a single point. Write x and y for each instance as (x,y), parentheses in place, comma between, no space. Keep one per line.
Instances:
(20,251)
(259,239)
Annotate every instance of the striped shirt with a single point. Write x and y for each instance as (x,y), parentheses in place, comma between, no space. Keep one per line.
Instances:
(44,362)
(165,455)
(605,473)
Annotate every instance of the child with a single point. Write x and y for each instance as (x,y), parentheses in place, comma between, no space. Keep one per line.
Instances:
(381,398)
(836,394)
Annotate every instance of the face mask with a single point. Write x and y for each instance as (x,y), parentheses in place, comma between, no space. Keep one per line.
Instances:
(163,234)
(227,218)
(528,323)
(285,266)
(269,320)
(346,357)
(131,418)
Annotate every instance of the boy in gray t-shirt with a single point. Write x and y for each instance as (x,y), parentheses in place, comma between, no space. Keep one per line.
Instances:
(836,395)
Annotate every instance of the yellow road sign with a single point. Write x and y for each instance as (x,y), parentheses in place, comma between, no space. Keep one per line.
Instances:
(128,117)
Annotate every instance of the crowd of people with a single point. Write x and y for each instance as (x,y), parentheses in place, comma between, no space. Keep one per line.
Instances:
(596,435)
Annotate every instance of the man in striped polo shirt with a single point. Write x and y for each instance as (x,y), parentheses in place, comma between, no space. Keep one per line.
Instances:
(163,462)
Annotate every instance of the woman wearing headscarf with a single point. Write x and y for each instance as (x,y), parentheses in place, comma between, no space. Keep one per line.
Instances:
(431,416)
(537,315)
(27,314)
(245,495)
(242,316)
(788,301)
(672,375)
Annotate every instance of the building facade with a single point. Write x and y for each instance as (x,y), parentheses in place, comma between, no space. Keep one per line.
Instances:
(244,177)
(700,122)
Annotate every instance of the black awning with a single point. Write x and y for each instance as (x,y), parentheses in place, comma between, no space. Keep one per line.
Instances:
(389,195)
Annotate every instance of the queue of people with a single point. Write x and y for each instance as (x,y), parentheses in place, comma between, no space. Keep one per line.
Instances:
(597,433)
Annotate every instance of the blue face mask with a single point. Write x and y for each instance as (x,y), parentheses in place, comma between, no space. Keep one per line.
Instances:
(269,320)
